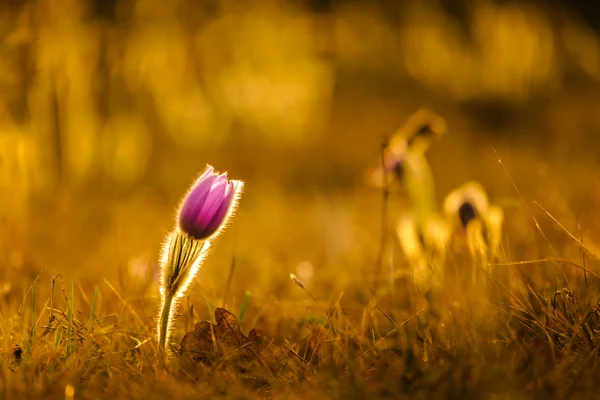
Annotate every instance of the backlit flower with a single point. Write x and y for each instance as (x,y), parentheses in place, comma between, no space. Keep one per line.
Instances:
(411,140)
(203,213)
(473,218)
(420,130)
(208,204)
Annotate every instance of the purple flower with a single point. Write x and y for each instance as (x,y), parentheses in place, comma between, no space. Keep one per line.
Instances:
(208,204)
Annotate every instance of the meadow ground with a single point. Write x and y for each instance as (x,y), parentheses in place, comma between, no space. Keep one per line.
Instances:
(80,291)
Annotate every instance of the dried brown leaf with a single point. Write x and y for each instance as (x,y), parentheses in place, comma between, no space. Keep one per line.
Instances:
(209,342)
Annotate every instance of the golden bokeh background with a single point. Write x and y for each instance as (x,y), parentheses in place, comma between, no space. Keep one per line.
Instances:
(109,109)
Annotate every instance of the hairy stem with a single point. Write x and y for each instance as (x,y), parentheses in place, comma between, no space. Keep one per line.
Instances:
(165,322)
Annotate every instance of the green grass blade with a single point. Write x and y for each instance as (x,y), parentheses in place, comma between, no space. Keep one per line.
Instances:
(244,306)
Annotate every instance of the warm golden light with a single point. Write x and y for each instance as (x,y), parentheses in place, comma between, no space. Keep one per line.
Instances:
(421,207)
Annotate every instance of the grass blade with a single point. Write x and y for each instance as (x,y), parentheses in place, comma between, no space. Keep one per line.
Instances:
(58,336)
(93,308)
(244,306)
(70,317)
(32,334)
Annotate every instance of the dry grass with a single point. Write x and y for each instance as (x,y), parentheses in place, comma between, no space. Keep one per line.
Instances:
(347,332)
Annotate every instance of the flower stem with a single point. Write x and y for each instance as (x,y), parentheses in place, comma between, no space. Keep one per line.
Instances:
(165,322)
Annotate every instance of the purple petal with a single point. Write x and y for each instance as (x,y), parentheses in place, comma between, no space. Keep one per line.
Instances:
(211,204)
(210,171)
(221,212)
(198,194)
(207,204)
(195,199)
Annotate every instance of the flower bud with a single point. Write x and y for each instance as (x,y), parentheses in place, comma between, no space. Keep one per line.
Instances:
(208,204)
(204,211)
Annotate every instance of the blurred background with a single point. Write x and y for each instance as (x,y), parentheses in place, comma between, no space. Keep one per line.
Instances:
(110,108)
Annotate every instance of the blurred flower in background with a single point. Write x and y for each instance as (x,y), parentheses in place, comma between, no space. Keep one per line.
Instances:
(95,96)
(109,96)
(472,219)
